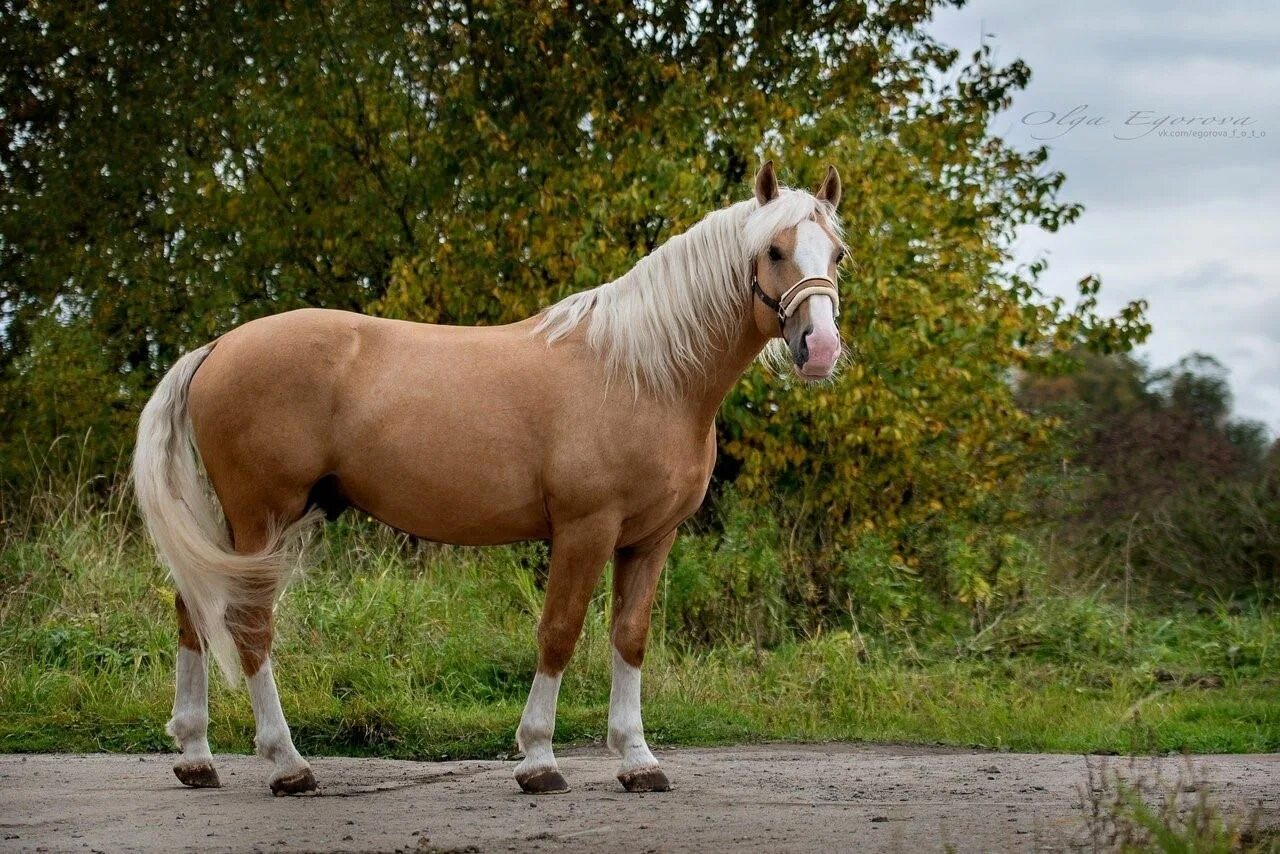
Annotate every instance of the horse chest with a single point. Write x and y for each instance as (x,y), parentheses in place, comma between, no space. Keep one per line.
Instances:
(666,487)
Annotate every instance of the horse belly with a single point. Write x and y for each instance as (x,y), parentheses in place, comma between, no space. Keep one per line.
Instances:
(448,483)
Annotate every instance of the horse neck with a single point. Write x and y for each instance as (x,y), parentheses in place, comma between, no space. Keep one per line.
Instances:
(728,365)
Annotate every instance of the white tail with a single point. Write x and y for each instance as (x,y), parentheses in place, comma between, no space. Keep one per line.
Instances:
(187,526)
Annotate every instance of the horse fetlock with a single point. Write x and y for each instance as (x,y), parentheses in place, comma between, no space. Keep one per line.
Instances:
(537,752)
(624,741)
(186,727)
(536,761)
(538,771)
(292,775)
(195,753)
(532,734)
(276,745)
(636,756)
(538,722)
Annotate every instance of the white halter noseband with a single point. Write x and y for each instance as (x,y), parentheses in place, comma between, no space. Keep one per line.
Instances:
(792,297)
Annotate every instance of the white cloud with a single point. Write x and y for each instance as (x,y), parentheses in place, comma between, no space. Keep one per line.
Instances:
(1190,225)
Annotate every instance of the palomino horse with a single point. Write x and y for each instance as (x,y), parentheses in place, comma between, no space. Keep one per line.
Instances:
(590,425)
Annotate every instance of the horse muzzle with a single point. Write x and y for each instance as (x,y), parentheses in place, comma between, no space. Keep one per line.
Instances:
(815,352)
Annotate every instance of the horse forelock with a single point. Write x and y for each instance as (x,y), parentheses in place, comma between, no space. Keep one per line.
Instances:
(658,324)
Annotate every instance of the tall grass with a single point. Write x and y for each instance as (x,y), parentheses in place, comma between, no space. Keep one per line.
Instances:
(395,648)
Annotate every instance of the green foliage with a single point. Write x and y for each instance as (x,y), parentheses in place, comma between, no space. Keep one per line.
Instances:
(171,170)
(740,578)
(1159,484)
(395,649)
(1224,537)
(728,586)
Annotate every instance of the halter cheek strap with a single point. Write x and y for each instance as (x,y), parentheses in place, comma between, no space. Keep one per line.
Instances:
(792,297)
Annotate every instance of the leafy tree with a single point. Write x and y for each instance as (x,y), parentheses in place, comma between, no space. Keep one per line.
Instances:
(1166,484)
(1197,387)
(173,169)
(1149,434)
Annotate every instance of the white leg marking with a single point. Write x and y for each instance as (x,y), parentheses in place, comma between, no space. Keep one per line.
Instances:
(626,729)
(537,725)
(189,725)
(273,740)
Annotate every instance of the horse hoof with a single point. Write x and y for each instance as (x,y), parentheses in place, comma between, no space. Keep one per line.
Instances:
(295,784)
(645,780)
(549,782)
(200,776)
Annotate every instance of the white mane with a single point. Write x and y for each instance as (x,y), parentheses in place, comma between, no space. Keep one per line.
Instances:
(658,323)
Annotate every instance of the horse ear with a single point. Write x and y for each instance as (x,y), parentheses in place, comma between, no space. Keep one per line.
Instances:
(829,190)
(766,184)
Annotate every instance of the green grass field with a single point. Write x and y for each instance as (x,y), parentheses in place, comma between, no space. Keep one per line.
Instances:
(392,649)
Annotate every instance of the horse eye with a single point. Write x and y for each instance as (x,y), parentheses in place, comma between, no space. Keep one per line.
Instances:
(840,257)
(775,254)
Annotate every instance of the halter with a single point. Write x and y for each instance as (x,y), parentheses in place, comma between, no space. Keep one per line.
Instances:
(792,297)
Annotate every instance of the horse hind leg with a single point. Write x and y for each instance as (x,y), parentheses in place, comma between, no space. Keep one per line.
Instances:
(252,627)
(189,724)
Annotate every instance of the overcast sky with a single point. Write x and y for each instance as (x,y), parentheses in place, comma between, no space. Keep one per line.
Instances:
(1191,225)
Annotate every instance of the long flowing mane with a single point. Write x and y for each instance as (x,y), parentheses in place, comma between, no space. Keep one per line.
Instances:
(658,323)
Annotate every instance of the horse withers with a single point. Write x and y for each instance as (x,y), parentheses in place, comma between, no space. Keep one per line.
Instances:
(590,425)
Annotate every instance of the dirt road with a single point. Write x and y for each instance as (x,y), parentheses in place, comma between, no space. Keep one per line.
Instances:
(775,797)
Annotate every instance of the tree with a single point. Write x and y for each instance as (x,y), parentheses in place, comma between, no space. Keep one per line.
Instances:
(1149,435)
(171,170)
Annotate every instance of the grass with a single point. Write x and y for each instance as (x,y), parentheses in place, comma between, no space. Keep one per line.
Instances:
(393,649)
(1139,809)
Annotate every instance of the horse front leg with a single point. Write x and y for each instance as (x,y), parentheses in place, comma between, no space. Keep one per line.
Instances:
(635,580)
(578,555)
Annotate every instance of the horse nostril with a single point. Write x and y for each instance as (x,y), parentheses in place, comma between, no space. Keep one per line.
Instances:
(802,353)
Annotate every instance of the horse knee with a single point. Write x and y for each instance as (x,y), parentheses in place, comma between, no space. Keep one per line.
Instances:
(557,636)
(630,637)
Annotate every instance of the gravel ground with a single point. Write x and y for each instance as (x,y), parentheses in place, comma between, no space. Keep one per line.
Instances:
(771,797)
